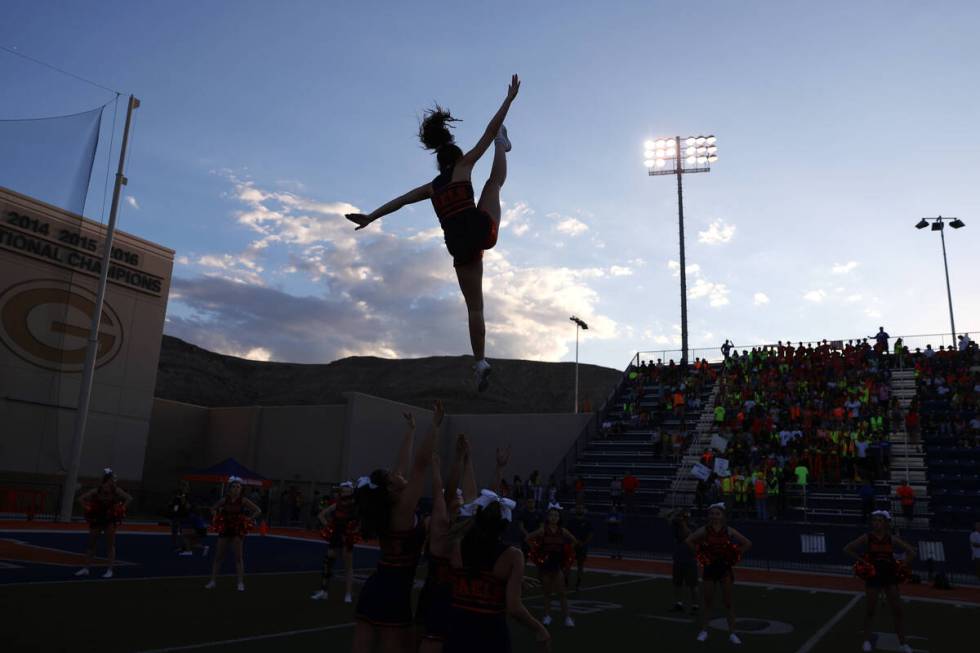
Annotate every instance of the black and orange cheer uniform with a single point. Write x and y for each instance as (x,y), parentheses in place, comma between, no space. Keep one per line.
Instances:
(386,599)
(104,509)
(881,553)
(717,546)
(478,620)
(553,552)
(435,599)
(467,230)
(231,519)
(339,531)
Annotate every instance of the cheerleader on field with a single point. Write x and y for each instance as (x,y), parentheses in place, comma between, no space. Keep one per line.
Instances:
(340,529)
(552,551)
(232,523)
(718,547)
(882,573)
(434,610)
(386,504)
(105,507)
(487,578)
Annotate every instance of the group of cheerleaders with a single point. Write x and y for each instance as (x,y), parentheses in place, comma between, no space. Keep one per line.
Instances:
(474,580)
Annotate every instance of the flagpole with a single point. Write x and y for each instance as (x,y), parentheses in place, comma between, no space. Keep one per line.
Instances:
(88,372)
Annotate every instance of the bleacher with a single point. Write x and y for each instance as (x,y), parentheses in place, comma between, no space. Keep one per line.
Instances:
(948,394)
(631,435)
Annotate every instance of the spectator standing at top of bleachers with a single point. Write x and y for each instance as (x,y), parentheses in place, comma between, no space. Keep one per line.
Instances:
(964,341)
(906,496)
(881,341)
(726,348)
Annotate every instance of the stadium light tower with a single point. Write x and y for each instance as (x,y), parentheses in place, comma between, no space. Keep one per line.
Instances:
(938,224)
(679,156)
(578,324)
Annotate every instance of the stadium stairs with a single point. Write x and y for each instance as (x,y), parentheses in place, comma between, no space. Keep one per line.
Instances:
(683,485)
(634,450)
(907,460)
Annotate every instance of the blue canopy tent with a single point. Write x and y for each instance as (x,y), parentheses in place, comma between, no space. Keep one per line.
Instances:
(221,472)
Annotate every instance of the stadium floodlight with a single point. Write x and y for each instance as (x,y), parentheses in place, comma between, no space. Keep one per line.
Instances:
(579,324)
(937,225)
(679,156)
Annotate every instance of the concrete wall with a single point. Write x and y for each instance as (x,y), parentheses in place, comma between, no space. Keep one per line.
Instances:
(375,428)
(303,441)
(176,444)
(325,444)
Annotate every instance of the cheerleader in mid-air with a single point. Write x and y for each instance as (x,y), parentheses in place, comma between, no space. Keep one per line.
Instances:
(386,507)
(881,572)
(718,547)
(232,523)
(105,507)
(553,553)
(341,532)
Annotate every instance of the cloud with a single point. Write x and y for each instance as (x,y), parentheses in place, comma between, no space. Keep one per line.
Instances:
(516,218)
(717,293)
(571,227)
(132,202)
(844,268)
(182,260)
(370,293)
(760,299)
(815,296)
(718,232)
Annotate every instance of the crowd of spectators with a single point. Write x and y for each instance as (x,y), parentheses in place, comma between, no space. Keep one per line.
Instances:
(797,416)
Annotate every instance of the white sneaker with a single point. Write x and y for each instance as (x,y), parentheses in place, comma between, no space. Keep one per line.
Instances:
(547,620)
(204,552)
(319,595)
(348,598)
(107,574)
(211,585)
(502,139)
(569,622)
(241,587)
(82,572)
(905,648)
(703,635)
(733,638)
(866,647)
(481,374)
(184,554)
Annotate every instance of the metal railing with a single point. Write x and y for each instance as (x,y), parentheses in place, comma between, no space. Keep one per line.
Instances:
(714,355)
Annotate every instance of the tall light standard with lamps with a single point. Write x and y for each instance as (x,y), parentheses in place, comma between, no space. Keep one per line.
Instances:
(668,156)
(579,324)
(938,224)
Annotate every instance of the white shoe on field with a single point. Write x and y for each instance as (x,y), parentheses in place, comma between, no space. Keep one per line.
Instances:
(82,572)
(320,595)
(703,636)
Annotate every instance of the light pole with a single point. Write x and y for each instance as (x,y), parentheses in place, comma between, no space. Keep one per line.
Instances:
(578,324)
(665,156)
(938,224)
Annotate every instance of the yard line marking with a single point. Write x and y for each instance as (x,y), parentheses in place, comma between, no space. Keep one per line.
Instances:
(817,636)
(238,640)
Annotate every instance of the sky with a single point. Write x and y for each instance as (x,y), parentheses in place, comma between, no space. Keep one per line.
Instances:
(839,126)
